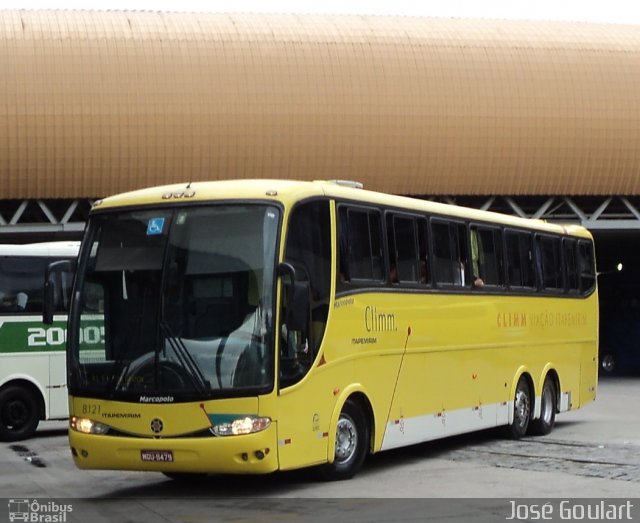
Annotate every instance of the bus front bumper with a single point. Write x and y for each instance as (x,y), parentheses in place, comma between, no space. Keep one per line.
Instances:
(247,454)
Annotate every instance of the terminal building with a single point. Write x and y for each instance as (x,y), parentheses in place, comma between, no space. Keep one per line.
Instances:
(538,119)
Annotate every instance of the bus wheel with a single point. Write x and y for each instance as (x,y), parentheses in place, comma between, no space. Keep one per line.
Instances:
(521,409)
(544,424)
(18,413)
(352,441)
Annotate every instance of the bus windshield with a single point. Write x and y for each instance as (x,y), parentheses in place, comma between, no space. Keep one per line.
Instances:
(186,295)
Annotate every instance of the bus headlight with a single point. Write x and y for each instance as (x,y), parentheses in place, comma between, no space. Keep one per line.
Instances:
(88,426)
(245,425)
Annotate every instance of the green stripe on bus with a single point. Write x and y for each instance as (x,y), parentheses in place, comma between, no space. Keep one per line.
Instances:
(33,336)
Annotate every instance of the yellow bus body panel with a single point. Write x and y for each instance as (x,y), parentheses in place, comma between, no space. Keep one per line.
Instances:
(463,357)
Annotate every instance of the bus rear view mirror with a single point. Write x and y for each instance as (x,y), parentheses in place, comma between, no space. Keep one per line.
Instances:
(51,293)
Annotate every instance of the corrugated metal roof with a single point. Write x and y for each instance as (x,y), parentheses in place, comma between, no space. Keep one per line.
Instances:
(93,103)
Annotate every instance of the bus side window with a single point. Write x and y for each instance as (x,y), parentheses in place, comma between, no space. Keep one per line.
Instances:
(520,260)
(404,263)
(550,262)
(423,251)
(308,251)
(17,303)
(587,268)
(450,255)
(486,256)
(570,253)
(22,280)
(361,258)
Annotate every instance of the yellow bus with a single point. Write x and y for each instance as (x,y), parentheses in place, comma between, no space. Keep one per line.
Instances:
(261,325)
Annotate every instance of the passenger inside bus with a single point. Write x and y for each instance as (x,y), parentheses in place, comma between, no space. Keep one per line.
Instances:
(424,277)
(16,304)
(393,274)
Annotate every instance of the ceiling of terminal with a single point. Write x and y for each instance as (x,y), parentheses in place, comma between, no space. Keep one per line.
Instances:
(93,103)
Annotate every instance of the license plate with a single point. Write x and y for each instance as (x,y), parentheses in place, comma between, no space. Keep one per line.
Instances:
(165,456)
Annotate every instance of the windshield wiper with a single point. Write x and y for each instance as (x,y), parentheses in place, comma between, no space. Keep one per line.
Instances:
(118,377)
(189,364)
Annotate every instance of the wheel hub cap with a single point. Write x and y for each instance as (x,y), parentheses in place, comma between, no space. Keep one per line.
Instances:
(346,440)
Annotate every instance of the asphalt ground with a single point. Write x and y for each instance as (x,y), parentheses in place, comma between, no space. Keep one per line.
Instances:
(593,454)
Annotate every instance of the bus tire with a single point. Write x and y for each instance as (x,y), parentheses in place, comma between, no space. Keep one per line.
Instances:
(19,415)
(352,444)
(521,409)
(544,424)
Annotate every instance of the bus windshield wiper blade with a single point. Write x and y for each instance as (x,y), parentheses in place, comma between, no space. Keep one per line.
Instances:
(118,377)
(185,358)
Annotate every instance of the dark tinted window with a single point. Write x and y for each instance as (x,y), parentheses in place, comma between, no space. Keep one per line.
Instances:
(550,262)
(402,236)
(520,259)
(586,266)
(22,283)
(308,249)
(423,251)
(449,253)
(360,245)
(308,245)
(570,251)
(486,255)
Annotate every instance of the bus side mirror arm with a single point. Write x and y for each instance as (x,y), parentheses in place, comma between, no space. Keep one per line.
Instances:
(49,299)
(298,302)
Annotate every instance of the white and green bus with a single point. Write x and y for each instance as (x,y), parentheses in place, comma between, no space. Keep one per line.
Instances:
(33,382)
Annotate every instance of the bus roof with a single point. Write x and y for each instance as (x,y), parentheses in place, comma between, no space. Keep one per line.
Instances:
(288,192)
(61,248)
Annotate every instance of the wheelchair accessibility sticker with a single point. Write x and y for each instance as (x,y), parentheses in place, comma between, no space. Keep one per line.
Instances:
(155,226)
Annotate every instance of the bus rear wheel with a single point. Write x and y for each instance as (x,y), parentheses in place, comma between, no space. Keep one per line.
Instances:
(352,441)
(521,409)
(544,424)
(19,415)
